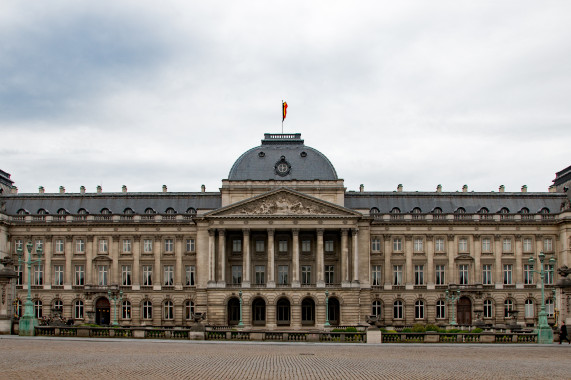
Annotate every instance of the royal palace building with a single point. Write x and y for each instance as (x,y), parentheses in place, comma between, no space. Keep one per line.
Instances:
(281,243)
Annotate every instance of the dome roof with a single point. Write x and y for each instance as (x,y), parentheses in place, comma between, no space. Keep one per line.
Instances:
(282,157)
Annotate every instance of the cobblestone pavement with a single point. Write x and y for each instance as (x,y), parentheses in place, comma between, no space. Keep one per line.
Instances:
(70,358)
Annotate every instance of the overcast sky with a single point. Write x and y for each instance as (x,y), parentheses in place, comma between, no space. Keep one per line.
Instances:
(146,93)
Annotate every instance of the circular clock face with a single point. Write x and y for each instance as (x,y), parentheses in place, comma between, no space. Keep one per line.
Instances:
(282,168)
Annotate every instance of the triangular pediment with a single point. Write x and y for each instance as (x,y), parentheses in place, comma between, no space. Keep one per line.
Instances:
(283,202)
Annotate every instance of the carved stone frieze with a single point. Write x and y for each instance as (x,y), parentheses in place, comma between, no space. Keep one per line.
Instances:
(282,204)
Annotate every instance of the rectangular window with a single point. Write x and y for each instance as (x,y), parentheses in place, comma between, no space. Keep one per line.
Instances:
(102,275)
(486,245)
(463,245)
(39,245)
(103,246)
(260,274)
(376,275)
(463,274)
(147,275)
(190,245)
(419,274)
(439,245)
(126,246)
(440,275)
(548,245)
(148,246)
(329,274)
(397,245)
(168,275)
(190,275)
(237,245)
(236,274)
(126,275)
(38,278)
(549,274)
(80,246)
(19,245)
(397,275)
(282,246)
(306,274)
(58,275)
(20,278)
(527,274)
(527,245)
(487,274)
(169,246)
(283,274)
(507,246)
(306,246)
(376,245)
(508,274)
(329,246)
(60,246)
(260,246)
(79,279)
(418,245)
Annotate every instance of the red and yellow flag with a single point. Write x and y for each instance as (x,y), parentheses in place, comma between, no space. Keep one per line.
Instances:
(284,110)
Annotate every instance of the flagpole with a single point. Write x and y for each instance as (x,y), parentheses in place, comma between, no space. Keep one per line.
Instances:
(282,116)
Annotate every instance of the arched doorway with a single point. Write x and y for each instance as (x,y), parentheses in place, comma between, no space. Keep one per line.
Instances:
(283,312)
(102,311)
(259,312)
(464,311)
(334,311)
(233,311)
(307,312)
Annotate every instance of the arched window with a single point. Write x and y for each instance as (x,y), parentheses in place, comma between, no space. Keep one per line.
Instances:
(395,210)
(188,310)
(307,312)
(22,212)
(374,212)
(488,309)
(168,310)
(170,210)
(149,210)
(524,210)
(62,211)
(416,210)
(191,211)
(259,311)
(544,210)
(147,310)
(38,309)
(78,309)
(440,309)
(128,211)
(82,211)
(397,309)
(460,210)
(504,210)
(377,309)
(126,309)
(283,312)
(105,211)
(483,210)
(529,308)
(508,308)
(419,309)
(42,211)
(437,210)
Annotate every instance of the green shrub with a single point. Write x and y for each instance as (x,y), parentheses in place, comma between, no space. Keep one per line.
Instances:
(351,329)
(419,327)
(453,331)
(406,330)
(477,330)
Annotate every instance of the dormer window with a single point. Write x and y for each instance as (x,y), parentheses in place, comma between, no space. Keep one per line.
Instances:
(22,212)
(42,212)
(82,211)
(191,211)
(504,210)
(105,211)
(62,211)
(395,210)
(374,212)
(170,210)
(150,211)
(128,211)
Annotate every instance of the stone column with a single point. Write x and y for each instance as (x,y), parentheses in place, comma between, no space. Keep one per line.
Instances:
(409,276)
(538,245)
(211,257)
(68,274)
(136,263)
(89,260)
(518,280)
(271,283)
(295,269)
(477,259)
(345,258)
(115,275)
(178,270)
(452,253)
(355,256)
(498,256)
(320,261)
(222,257)
(246,262)
(48,247)
(388,268)
(157,266)
(430,262)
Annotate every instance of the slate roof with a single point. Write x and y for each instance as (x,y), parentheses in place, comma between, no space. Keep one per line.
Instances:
(306,163)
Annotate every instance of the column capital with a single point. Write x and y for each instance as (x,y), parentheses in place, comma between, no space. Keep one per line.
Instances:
(518,237)
(221,231)
(450,237)
(115,238)
(497,237)
(344,231)
(429,237)
(211,231)
(477,237)
(48,238)
(408,238)
(158,238)
(320,231)
(271,231)
(89,238)
(246,231)
(355,231)
(295,231)
(387,236)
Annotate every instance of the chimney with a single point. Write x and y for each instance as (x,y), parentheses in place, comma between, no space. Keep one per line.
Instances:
(502,188)
(399,188)
(82,189)
(14,190)
(524,189)
(164,188)
(41,190)
(62,190)
(551,189)
(124,188)
(99,189)
(439,188)
(362,188)
(465,188)
(203,188)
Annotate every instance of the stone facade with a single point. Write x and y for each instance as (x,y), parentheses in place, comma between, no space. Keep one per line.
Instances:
(284,246)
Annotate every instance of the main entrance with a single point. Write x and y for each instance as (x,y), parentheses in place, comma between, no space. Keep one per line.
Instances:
(464,311)
(102,311)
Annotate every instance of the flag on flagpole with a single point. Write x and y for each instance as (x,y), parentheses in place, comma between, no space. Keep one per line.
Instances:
(284,110)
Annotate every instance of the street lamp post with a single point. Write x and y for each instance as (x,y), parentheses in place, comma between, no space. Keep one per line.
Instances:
(452,298)
(115,297)
(28,321)
(326,309)
(544,331)
(241,323)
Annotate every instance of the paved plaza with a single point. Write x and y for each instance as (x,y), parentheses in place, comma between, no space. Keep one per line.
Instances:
(73,358)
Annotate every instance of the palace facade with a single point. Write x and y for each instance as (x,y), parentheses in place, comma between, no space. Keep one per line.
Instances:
(284,245)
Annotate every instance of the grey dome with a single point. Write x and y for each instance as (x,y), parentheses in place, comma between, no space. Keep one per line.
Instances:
(282,157)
